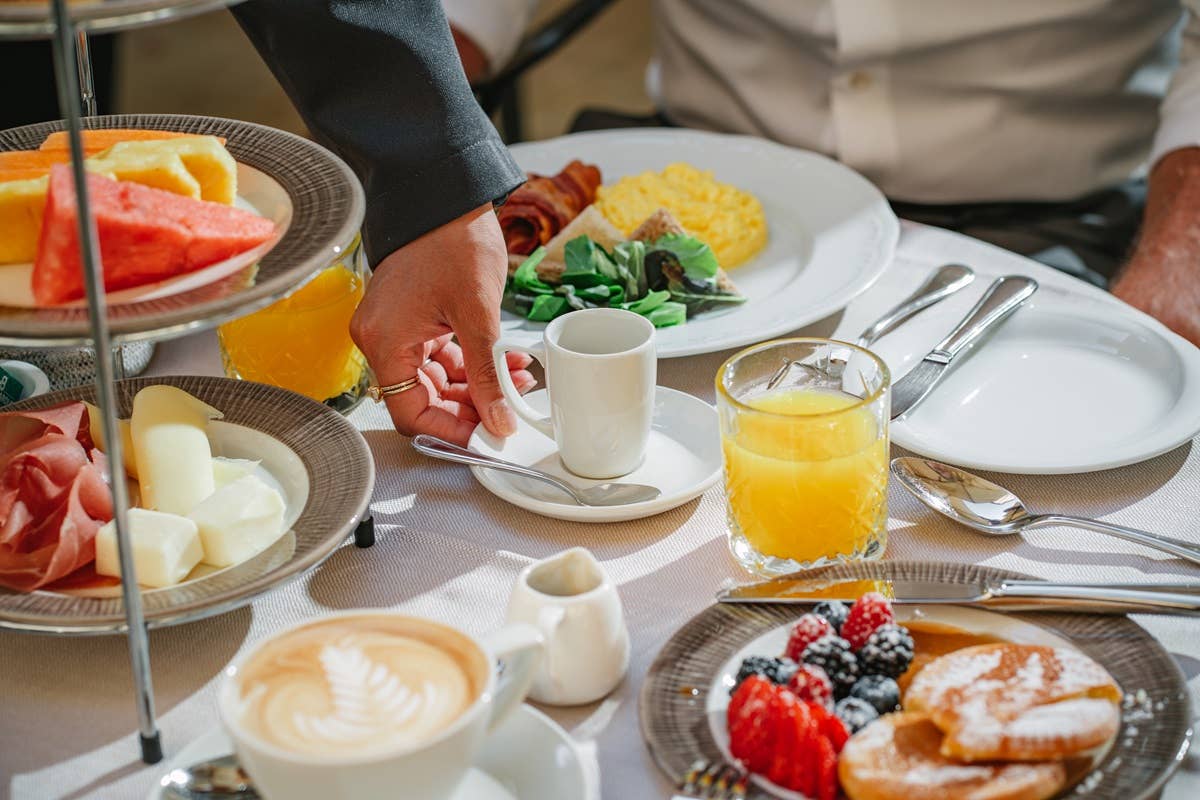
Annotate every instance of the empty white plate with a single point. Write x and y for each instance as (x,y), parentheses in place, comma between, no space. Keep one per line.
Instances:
(1069,384)
(683,459)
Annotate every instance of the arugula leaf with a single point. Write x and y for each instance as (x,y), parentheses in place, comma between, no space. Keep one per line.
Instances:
(668,314)
(583,255)
(526,278)
(567,293)
(695,257)
(546,307)
(648,303)
(630,258)
(697,302)
(600,295)
(584,280)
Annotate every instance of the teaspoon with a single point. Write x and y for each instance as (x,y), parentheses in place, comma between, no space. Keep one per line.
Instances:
(604,494)
(983,506)
(217,778)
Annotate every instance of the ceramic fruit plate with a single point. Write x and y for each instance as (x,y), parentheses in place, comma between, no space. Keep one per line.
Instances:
(687,688)
(1070,383)
(318,461)
(529,757)
(311,195)
(683,459)
(831,233)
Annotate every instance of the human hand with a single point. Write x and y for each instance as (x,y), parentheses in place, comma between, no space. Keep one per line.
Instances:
(1162,277)
(446,284)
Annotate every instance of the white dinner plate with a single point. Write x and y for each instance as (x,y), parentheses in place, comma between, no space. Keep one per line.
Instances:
(831,233)
(683,459)
(1070,383)
(529,757)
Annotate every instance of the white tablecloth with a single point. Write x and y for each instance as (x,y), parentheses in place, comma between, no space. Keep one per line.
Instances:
(449,550)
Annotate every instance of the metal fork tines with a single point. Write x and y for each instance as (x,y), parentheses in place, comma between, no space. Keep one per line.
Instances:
(707,781)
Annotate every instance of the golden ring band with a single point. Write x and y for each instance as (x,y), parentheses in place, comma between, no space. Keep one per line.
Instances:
(377,393)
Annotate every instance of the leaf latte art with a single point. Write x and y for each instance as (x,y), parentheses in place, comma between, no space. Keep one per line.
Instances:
(351,688)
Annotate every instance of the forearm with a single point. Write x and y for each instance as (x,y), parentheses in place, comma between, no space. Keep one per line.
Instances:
(379,83)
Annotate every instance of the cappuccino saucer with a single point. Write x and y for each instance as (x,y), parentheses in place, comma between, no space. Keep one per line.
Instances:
(529,757)
(683,459)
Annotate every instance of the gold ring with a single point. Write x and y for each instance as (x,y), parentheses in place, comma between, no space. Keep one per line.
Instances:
(377,393)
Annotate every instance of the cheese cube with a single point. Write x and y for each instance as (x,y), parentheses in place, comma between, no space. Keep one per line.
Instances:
(166,547)
(228,470)
(238,520)
(171,448)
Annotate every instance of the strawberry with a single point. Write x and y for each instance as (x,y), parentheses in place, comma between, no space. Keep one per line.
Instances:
(808,629)
(833,729)
(812,684)
(870,612)
(826,771)
(749,732)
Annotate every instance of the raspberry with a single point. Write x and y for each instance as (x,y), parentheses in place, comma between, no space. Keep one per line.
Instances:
(857,714)
(834,611)
(880,691)
(888,651)
(776,670)
(807,630)
(871,611)
(812,684)
(833,729)
(750,734)
(833,655)
(826,771)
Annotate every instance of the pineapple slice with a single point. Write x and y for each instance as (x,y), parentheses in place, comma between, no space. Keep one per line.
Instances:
(160,170)
(214,169)
(21,206)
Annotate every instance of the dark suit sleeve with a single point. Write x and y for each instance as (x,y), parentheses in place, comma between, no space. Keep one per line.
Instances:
(380,83)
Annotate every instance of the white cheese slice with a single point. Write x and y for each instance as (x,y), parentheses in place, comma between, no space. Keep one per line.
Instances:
(96,425)
(238,520)
(166,547)
(170,443)
(228,470)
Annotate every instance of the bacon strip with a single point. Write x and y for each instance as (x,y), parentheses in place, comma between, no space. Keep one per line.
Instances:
(53,498)
(544,205)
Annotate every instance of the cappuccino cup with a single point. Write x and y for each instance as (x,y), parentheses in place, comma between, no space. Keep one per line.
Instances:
(601,369)
(372,704)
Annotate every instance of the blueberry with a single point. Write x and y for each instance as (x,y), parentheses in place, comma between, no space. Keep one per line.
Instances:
(879,690)
(855,713)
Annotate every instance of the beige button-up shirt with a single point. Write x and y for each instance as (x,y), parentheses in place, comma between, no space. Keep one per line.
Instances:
(936,101)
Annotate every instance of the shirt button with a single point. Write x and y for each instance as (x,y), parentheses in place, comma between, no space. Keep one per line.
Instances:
(860,79)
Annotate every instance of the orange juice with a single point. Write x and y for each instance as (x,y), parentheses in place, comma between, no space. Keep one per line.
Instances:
(302,342)
(807,481)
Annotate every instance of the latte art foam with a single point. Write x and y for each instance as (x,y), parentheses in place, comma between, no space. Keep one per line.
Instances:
(355,687)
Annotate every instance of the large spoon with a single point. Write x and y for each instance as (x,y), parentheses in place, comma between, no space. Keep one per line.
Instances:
(220,777)
(983,506)
(603,494)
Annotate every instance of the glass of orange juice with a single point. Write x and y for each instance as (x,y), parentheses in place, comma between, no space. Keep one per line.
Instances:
(804,429)
(302,342)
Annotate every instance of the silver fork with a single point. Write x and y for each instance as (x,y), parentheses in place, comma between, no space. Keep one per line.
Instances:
(708,781)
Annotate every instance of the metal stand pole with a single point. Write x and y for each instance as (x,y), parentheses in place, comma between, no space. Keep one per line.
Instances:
(67,70)
(83,64)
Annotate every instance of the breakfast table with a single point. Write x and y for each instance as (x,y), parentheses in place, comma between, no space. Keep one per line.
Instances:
(447,549)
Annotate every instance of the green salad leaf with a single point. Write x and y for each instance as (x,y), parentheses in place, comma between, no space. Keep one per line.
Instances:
(698,260)
(526,279)
(668,314)
(546,307)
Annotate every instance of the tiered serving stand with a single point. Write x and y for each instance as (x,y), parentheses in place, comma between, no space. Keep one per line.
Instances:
(325,216)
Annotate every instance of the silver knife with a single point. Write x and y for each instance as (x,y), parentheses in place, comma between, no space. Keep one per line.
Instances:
(1010,595)
(1002,298)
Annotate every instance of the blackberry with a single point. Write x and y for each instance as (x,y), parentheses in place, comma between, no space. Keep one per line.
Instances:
(856,713)
(776,670)
(879,690)
(888,652)
(833,655)
(834,612)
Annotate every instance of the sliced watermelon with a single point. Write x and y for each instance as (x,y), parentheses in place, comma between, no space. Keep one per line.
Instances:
(146,235)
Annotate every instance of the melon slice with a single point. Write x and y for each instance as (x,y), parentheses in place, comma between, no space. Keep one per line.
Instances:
(146,235)
(99,140)
(18,165)
(214,170)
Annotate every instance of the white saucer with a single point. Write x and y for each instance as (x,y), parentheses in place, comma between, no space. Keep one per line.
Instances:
(1069,384)
(529,757)
(683,459)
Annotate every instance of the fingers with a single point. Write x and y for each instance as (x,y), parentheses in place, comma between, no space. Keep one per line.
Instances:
(450,356)
(482,381)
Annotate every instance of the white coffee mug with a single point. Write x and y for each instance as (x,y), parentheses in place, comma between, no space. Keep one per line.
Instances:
(575,605)
(430,770)
(600,374)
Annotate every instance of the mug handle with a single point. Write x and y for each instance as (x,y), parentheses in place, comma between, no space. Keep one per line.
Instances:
(509,389)
(519,648)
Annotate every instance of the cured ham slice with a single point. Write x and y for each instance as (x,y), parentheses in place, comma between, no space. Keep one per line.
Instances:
(544,205)
(53,497)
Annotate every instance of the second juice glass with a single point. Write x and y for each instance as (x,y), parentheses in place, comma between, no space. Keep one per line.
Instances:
(804,429)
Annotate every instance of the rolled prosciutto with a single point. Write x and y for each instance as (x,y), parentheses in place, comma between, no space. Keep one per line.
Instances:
(544,205)
(53,496)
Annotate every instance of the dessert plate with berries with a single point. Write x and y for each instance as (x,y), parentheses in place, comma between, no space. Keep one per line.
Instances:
(873,703)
